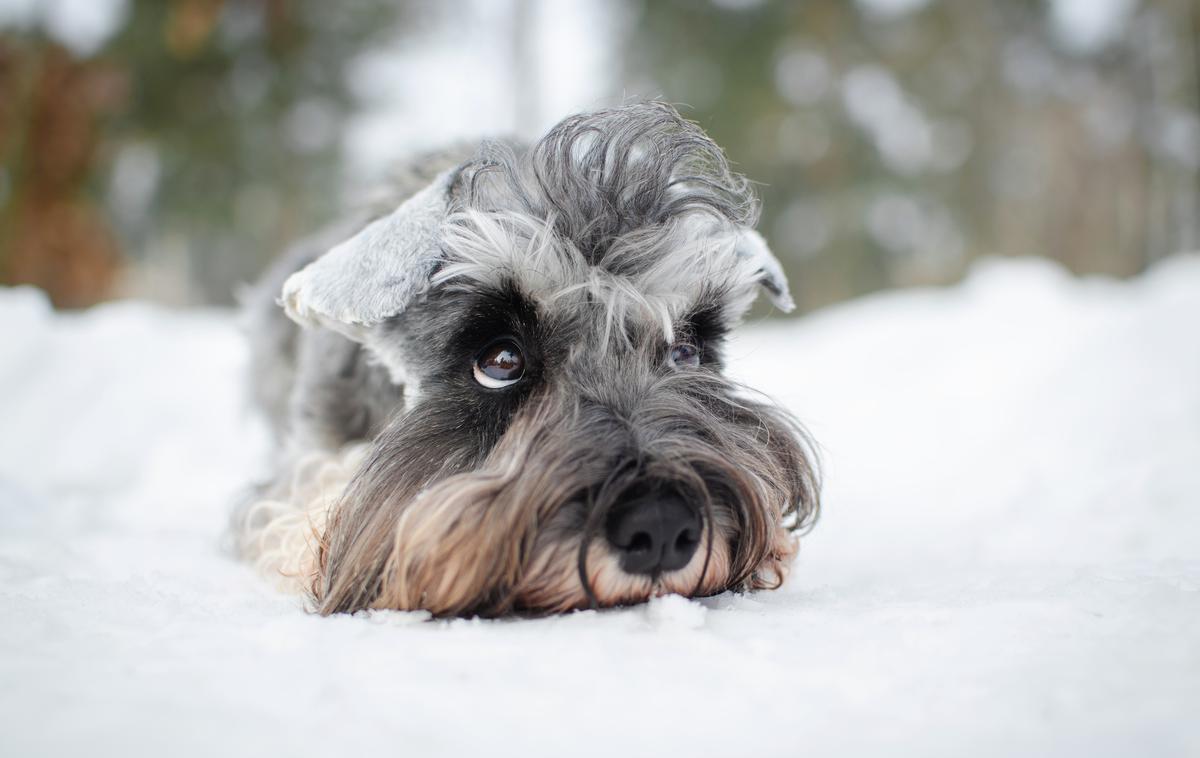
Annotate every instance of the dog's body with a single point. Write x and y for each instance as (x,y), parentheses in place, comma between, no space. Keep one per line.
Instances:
(508,395)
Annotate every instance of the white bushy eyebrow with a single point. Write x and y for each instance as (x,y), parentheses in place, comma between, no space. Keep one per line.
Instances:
(654,279)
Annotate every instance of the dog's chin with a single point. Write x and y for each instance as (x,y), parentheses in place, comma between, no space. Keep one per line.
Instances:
(552,581)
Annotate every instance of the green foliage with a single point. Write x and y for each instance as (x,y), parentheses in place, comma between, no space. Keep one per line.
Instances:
(241,104)
(894,148)
(891,147)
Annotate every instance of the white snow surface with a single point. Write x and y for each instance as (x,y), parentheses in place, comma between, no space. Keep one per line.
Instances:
(1006,564)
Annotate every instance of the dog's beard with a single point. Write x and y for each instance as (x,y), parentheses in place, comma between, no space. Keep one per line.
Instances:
(451,530)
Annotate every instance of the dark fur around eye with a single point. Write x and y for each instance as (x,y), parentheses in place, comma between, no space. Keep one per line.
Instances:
(705,328)
(494,314)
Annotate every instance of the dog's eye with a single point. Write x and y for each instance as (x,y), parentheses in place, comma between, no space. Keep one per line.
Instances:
(685,354)
(499,365)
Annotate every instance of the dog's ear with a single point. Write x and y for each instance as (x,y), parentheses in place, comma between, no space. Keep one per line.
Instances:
(375,274)
(752,246)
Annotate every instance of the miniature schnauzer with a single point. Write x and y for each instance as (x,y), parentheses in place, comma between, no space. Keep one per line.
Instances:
(507,394)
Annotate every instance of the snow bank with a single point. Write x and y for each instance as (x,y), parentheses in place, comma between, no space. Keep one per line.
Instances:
(1006,564)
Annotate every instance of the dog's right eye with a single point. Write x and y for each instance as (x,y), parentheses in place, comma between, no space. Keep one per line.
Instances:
(685,354)
(499,365)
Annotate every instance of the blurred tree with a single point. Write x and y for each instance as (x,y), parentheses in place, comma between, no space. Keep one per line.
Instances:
(51,233)
(896,141)
(221,142)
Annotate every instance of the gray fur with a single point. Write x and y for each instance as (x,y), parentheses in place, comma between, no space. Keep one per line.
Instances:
(375,274)
(618,234)
(313,385)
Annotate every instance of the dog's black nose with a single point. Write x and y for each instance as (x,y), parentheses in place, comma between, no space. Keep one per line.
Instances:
(654,533)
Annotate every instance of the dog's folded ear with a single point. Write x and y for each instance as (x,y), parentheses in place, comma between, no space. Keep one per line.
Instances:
(375,274)
(751,246)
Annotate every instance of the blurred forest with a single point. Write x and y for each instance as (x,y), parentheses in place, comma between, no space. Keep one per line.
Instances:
(168,148)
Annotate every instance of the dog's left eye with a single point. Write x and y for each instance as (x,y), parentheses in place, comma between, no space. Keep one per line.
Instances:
(499,365)
(685,354)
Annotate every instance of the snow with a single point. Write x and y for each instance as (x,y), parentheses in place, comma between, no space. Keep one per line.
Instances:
(1006,563)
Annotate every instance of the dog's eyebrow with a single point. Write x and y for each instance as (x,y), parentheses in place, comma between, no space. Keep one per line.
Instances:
(492,308)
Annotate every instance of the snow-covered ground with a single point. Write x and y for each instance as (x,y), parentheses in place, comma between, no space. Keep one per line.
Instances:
(1008,562)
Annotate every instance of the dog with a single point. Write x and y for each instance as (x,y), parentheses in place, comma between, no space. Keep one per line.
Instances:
(500,391)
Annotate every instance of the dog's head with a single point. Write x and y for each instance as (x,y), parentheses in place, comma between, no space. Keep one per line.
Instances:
(557,315)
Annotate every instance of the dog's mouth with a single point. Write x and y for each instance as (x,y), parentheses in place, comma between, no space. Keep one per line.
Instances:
(555,581)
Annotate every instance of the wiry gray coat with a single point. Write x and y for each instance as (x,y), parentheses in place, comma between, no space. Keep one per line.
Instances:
(404,483)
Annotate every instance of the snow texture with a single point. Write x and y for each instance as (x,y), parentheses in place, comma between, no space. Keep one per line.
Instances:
(1006,564)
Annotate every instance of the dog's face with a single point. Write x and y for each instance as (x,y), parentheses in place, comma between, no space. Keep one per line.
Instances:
(569,439)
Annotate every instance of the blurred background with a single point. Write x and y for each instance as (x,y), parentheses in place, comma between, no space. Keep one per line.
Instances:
(166,149)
